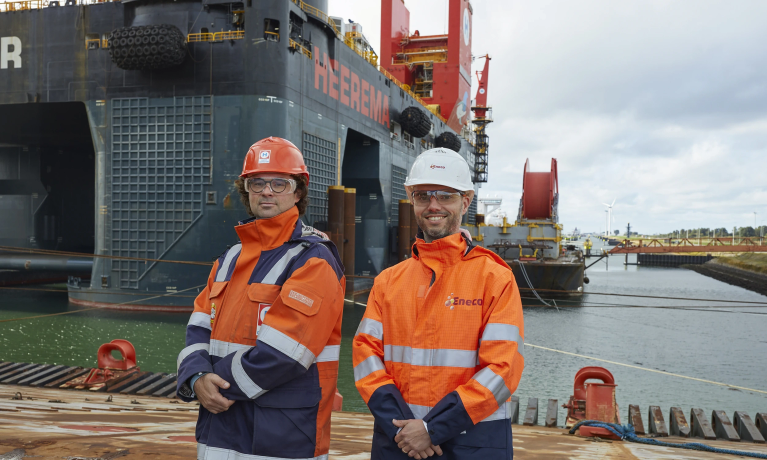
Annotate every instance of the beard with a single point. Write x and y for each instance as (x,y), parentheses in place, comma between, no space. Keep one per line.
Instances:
(450,225)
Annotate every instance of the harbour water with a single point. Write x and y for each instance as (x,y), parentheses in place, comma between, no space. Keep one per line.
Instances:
(720,342)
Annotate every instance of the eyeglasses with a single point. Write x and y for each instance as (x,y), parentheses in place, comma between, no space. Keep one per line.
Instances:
(442,196)
(257,185)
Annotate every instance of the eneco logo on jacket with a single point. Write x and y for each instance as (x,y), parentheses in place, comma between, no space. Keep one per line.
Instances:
(263,309)
(453,301)
(264,156)
(10,51)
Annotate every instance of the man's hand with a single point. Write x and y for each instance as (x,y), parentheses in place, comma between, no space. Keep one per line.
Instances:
(414,440)
(206,389)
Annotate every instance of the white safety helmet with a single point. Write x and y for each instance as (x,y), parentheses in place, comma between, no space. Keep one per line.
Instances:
(440,166)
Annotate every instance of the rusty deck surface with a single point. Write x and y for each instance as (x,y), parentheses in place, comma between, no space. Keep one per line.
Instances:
(66,424)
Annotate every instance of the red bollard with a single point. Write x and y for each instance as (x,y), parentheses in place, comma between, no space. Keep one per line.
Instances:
(601,406)
(593,401)
(107,364)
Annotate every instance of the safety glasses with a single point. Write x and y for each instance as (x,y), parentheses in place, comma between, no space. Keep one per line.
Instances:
(423,197)
(257,185)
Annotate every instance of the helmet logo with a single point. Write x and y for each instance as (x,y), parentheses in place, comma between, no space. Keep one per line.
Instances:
(436,167)
(264,156)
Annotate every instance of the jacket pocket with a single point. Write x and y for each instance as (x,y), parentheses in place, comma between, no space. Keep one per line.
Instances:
(302,299)
(286,419)
(217,290)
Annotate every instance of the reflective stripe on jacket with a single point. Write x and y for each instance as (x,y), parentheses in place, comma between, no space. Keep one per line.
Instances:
(269,323)
(442,340)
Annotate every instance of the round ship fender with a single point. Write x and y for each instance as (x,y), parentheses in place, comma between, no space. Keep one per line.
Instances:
(415,121)
(150,47)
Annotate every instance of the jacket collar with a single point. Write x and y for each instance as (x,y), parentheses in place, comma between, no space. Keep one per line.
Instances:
(442,252)
(269,233)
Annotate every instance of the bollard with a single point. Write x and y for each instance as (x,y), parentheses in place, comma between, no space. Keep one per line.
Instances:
(761,423)
(635,418)
(746,429)
(515,410)
(531,414)
(678,424)
(413,224)
(699,426)
(600,402)
(403,230)
(551,414)
(350,211)
(336,217)
(723,428)
(656,423)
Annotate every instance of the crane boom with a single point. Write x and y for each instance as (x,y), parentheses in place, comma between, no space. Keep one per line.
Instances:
(482,117)
(481,98)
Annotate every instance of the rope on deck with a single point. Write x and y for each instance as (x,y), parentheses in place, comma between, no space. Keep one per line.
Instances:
(626,433)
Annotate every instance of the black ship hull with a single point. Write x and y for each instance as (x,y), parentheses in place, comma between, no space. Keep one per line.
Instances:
(551,279)
(137,166)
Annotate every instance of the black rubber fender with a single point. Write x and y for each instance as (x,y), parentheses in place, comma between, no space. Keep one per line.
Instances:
(151,47)
(448,140)
(415,121)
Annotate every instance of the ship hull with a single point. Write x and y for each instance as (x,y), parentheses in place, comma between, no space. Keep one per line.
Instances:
(551,279)
(156,152)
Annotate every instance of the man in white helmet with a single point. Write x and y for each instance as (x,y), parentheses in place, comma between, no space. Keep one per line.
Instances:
(439,350)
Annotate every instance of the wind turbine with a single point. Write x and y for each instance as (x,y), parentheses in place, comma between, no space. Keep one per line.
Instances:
(609,217)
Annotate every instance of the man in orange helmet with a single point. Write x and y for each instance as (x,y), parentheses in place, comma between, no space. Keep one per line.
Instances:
(438,353)
(263,342)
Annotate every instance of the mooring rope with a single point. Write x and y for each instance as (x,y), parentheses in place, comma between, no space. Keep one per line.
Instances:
(95,308)
(627,433)
(671,374)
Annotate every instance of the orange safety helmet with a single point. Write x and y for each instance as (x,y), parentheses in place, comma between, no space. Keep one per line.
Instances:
(274,154)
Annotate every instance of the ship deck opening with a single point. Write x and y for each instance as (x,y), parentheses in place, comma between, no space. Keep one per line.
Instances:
(47,177)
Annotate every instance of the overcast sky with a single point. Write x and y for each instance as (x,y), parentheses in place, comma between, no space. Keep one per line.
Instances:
(660,105)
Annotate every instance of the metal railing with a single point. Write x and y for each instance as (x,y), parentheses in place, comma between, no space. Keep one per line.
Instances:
(23,5)
(427,50)
(271,36)
(319,14)
(216,36)
(295,45)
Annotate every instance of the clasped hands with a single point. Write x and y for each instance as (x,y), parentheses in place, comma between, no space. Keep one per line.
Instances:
(207,390)
(414,440)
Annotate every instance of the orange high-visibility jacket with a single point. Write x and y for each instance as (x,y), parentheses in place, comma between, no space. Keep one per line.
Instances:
(269,323)
(441,340)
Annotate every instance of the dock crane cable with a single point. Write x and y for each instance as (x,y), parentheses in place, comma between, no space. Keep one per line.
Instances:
(96,308)
(85,254)
(170,294)
(627,433)
(708,308)
(99,256)
(529,283)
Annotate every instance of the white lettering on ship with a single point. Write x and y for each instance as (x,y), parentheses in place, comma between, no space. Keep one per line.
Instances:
(10,51)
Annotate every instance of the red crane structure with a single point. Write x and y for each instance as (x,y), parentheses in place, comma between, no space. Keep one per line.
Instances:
(436,67)
(483,116)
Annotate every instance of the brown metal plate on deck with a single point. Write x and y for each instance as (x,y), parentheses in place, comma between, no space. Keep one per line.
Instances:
(100,428)
(169,435)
